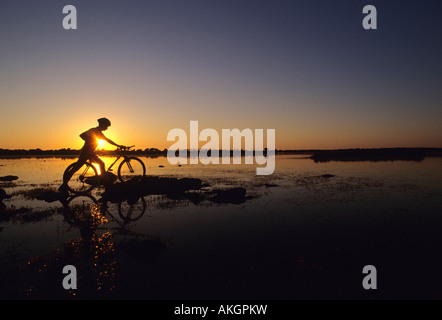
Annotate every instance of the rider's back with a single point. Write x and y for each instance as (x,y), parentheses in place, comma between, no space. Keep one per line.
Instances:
(91,137)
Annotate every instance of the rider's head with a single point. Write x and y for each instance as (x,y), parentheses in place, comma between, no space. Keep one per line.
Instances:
(104,123)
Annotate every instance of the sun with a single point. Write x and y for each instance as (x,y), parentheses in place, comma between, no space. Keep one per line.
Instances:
(101,143)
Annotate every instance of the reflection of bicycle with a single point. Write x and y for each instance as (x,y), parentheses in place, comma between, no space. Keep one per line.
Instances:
(131,170)
(87,207)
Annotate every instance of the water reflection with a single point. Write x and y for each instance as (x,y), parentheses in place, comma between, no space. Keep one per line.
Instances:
(307,230)
(95,250)
(96,211)
(97,253)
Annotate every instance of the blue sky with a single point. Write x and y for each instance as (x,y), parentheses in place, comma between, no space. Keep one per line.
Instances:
(305,68)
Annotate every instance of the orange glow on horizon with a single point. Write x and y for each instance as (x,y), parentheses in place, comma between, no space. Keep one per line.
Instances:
(152,133)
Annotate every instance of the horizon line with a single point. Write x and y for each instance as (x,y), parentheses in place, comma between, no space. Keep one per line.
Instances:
(220,150)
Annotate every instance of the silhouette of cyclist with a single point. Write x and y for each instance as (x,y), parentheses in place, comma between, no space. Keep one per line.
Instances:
(87,152)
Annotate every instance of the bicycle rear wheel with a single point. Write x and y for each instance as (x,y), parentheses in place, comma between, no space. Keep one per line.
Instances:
(83,180)
(131,170)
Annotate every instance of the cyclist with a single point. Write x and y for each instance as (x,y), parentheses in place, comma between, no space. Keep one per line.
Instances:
(87,152)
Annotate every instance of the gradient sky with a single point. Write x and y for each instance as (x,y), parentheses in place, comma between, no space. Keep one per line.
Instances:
(305,68)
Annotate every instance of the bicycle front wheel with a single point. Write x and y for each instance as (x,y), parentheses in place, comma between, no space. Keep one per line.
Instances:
(131,170)
(84,178)
(132,210)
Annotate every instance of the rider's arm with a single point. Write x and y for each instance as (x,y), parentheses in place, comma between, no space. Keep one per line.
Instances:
(111,142)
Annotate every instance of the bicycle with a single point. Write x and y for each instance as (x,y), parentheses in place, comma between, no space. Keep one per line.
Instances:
(80,206)
(130,171)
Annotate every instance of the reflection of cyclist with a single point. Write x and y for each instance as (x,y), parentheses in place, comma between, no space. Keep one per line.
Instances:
(91,138)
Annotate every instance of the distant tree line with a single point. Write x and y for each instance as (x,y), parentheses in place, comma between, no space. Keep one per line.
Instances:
(315,153)
(72,152)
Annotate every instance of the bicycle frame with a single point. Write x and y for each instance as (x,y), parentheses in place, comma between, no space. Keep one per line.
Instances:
(108,169)
(118,158)
(113,163)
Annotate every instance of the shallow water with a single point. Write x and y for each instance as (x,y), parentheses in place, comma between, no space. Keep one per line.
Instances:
(299,235)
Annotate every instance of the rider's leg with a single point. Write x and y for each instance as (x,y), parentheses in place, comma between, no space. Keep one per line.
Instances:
(100,162)
(67,175)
